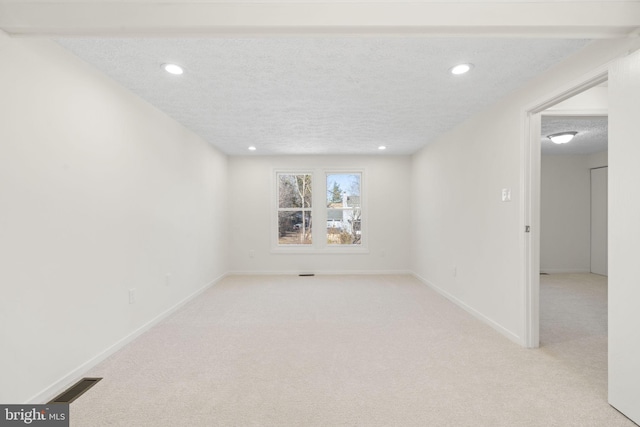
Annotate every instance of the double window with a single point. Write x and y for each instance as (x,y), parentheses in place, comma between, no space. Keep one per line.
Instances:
(319,210)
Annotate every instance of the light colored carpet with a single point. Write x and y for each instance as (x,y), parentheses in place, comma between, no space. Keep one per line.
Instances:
(340,351)
(573,325)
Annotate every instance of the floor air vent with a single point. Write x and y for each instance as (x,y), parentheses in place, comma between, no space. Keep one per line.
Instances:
(75,391)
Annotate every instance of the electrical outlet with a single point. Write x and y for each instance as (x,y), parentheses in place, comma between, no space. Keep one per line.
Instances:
(167,279)
(252,253)
(132,295)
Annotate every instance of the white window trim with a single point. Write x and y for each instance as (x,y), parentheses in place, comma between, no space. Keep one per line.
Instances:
(319,213)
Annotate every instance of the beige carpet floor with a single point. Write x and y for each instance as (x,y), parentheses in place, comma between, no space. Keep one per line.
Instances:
(352,351)
(573,324)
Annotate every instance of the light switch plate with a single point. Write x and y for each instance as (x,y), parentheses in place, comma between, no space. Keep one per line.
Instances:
(506,194)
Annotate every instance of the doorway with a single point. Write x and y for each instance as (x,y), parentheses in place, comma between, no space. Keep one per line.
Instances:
(573,192)
(531,168)
(573,238)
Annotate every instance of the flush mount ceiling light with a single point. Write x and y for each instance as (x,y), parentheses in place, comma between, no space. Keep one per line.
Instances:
(252,148)
(562,137)
(460,69)
(382,147)
(172,69)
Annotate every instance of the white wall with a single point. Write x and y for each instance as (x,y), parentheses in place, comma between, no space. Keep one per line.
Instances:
(385,184)
(593,101)
(461,223)
(458,215)
(624,235)
(99,193)
(565,206)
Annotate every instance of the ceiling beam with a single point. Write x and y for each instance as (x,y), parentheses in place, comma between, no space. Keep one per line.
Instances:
(573,19)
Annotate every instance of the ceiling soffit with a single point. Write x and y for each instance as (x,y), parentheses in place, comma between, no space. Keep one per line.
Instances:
(588,19)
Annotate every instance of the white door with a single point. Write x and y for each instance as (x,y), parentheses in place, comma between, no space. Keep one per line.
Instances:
(599,221)
(624,236)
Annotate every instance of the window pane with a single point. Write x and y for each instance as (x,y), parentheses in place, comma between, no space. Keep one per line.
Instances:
(344,227)
(288,196)
(294,191)
(344,209)
(341,186)
(294,228)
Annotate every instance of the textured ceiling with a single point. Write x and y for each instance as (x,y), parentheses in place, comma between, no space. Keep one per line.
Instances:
(592,134)
(321,95)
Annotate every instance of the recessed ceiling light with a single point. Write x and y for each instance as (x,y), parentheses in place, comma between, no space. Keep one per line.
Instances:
(461,69)
(252,148)
(562,137)
(382,147)
(173,69)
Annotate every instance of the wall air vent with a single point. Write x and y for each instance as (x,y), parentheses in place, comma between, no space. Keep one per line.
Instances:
(75,391)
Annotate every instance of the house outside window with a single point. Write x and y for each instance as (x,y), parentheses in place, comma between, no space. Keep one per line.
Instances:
(344,209)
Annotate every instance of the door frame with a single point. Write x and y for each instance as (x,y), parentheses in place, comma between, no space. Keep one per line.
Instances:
(530,190)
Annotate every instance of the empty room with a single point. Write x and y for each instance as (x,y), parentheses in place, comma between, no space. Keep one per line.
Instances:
(310,213)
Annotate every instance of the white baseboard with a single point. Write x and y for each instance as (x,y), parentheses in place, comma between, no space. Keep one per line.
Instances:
(57,387)
(562,270)
(323,273)
(507,333)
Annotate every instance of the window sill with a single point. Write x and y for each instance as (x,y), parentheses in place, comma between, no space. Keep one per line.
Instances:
(344,250)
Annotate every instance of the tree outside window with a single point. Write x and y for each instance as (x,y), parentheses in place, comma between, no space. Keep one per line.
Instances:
(294,209)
